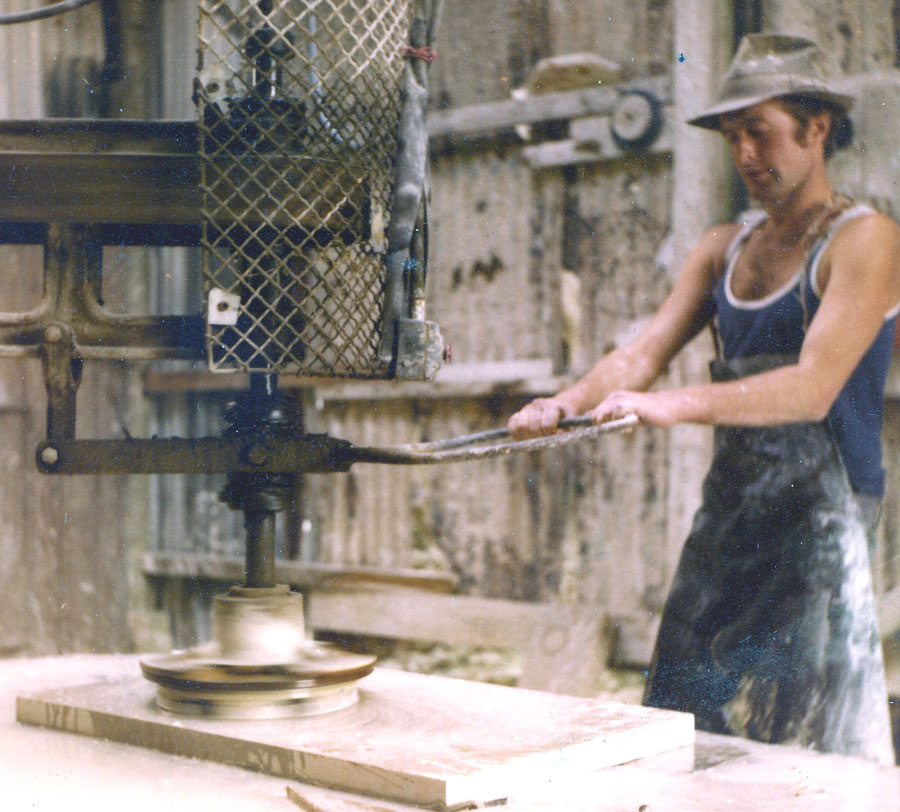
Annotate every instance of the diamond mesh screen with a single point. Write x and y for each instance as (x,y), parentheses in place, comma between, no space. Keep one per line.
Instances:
(298,102)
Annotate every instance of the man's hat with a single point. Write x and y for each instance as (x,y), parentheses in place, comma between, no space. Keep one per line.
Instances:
(767,66)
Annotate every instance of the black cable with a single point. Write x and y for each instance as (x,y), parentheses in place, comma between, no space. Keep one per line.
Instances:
(42,13)
(112,61)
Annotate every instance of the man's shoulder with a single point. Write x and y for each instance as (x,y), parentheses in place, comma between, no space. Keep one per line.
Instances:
(744,222)
(863,225)
(865,246)
(717,241)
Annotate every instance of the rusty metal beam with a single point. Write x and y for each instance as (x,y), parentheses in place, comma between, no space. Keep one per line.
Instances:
(112,188)
(120,172)
(309,453)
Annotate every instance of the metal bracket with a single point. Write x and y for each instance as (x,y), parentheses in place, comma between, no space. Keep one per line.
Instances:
(420,350)
(72,302)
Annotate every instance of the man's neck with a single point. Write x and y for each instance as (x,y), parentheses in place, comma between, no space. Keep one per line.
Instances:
(796,209)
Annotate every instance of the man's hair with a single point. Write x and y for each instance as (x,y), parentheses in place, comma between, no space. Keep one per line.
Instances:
(803,108)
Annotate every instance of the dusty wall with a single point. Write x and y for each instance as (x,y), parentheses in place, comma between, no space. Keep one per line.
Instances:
(66,544)
(549,265)
(559,264)
(552,265)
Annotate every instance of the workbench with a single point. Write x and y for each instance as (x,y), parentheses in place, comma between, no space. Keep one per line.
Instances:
(43,769)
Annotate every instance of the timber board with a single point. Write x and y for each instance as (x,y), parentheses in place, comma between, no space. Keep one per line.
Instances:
(414,738)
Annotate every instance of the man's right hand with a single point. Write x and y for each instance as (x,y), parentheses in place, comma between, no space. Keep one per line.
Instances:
(539,418)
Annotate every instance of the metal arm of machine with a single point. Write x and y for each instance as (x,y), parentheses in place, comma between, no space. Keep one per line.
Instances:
(311,453)
(307,453)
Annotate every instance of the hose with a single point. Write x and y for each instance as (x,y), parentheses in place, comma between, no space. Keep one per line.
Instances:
(43,12)
(459,449)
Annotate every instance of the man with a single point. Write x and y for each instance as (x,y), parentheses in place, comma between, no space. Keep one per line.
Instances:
(769,630)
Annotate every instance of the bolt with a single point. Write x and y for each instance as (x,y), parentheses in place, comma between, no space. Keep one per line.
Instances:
(53,333)
(257,454)
(49,455)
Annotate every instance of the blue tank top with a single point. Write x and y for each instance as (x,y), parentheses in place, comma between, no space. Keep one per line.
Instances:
(776,325)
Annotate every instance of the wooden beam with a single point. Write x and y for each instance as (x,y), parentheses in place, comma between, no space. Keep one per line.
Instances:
(566,647)
(407,614)
(551,154)
(481,118)
(515,378)
(299,574)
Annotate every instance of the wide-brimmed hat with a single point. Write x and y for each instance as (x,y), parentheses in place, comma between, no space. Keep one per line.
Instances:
(767,66)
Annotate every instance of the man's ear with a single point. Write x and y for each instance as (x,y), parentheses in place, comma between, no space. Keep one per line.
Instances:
(819,126)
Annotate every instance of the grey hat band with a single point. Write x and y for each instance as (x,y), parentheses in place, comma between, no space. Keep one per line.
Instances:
(746,94)
(768,66)
(779,85)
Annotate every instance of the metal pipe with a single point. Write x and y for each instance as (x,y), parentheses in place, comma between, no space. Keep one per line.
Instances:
(43,12)
(456,450)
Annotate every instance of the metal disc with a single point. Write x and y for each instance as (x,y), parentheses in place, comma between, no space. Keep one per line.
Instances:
(259,665)
(199,683)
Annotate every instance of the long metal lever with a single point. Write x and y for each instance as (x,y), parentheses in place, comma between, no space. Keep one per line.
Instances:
(460,449)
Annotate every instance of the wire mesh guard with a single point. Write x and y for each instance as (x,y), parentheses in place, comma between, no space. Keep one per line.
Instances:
(298,104)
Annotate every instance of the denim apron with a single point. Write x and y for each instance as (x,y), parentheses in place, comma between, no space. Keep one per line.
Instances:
(769,631)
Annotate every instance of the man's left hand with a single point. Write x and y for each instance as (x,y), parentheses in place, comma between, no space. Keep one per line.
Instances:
(655,408)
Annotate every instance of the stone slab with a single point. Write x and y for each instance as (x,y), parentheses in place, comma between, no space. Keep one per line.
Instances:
(418,739)
(44,770)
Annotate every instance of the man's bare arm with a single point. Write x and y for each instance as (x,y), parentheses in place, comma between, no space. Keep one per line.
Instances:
(863,285)
(638,364)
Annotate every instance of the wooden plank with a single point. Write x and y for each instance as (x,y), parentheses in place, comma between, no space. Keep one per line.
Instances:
(119,234)
(90,136)
(480,118)
(40,769)
(567,647)
(158,382)
(477,379)
(580,151)
(456,620)
(424,740)
(303,575)
(568,652)
(122,171)
(15,606)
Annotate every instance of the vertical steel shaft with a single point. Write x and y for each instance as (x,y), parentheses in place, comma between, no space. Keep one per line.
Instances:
(260,555)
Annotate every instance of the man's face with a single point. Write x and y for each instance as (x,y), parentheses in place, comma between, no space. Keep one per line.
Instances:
(773,154)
